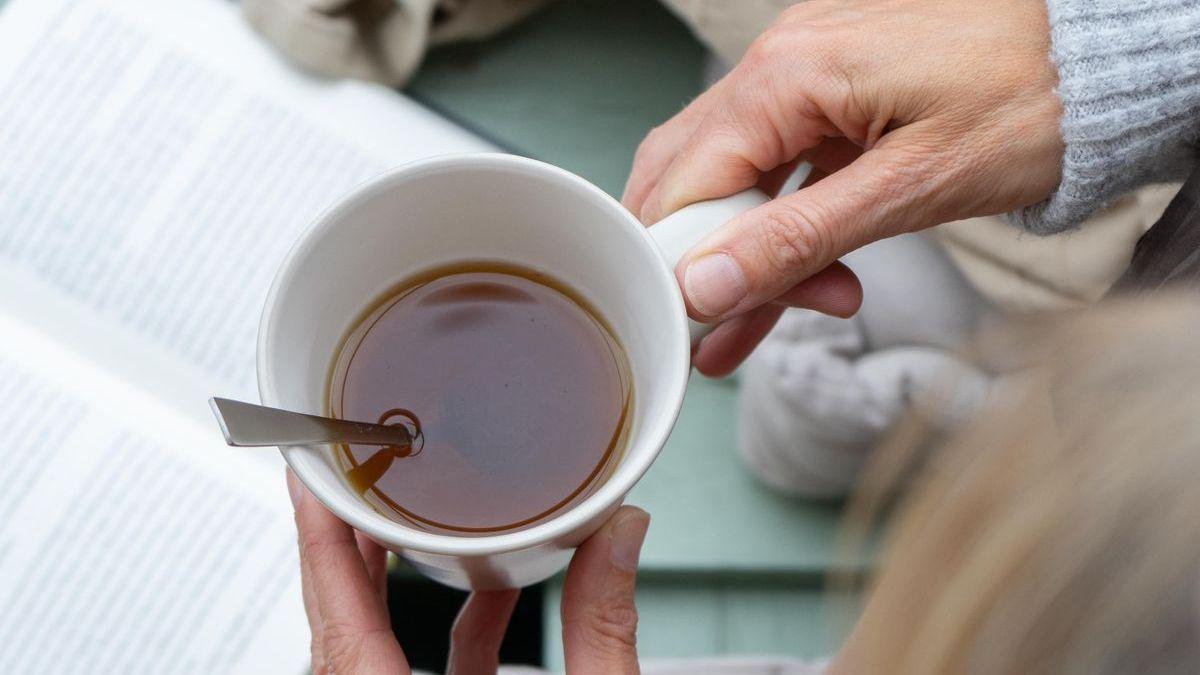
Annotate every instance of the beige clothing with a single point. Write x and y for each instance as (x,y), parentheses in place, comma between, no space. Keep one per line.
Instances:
(1021,272)
(378,40)
(728,27)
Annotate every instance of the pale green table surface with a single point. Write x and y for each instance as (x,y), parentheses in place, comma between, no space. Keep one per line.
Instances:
(728,567)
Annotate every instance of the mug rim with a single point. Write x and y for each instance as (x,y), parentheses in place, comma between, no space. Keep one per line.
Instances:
(612,492)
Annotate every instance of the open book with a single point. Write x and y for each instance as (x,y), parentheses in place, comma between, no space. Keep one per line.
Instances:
(156,162)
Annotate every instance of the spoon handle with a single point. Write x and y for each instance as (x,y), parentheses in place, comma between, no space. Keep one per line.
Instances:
(247,424)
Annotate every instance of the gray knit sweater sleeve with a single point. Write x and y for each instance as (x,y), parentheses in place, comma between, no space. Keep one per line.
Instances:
(1129,80)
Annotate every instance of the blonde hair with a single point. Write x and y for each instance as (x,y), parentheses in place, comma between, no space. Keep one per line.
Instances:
(1059,530)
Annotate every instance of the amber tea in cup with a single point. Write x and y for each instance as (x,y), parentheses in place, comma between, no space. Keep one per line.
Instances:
(520,390)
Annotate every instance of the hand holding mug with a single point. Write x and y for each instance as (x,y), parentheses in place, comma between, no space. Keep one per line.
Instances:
(344,580)
(919,111)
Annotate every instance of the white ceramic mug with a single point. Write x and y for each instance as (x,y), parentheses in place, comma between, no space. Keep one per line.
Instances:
(499,208)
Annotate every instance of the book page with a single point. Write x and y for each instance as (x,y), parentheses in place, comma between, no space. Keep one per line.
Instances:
(159,161)
(130,539)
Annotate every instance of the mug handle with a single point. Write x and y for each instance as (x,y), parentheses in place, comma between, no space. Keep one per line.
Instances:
(683,229)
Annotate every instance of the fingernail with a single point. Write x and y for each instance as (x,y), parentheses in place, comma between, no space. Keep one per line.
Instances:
(628,532)
(294,488)
(714,284)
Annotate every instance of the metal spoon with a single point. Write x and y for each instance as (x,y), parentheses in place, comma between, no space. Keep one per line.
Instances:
(247,424)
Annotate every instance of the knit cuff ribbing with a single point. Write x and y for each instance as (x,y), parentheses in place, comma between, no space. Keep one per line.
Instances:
(1129,80)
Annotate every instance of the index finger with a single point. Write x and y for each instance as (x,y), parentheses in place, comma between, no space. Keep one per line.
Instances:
(658,149)
(739,141)
(356,628)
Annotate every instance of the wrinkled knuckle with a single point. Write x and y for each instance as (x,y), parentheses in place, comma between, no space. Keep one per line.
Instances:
(796,57)
(352,650)
(825,57)
(776,42)
(761,53)
(317,660)
(339,632)
(313,551)
(917,170)
(650,143)
(791,239)
(771,46)
(613,627)
(346,650)
(821,41)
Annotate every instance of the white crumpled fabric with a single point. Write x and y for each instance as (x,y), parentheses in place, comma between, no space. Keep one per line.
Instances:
(820,392)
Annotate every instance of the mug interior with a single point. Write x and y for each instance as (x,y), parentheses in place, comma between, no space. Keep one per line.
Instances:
(465,208)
